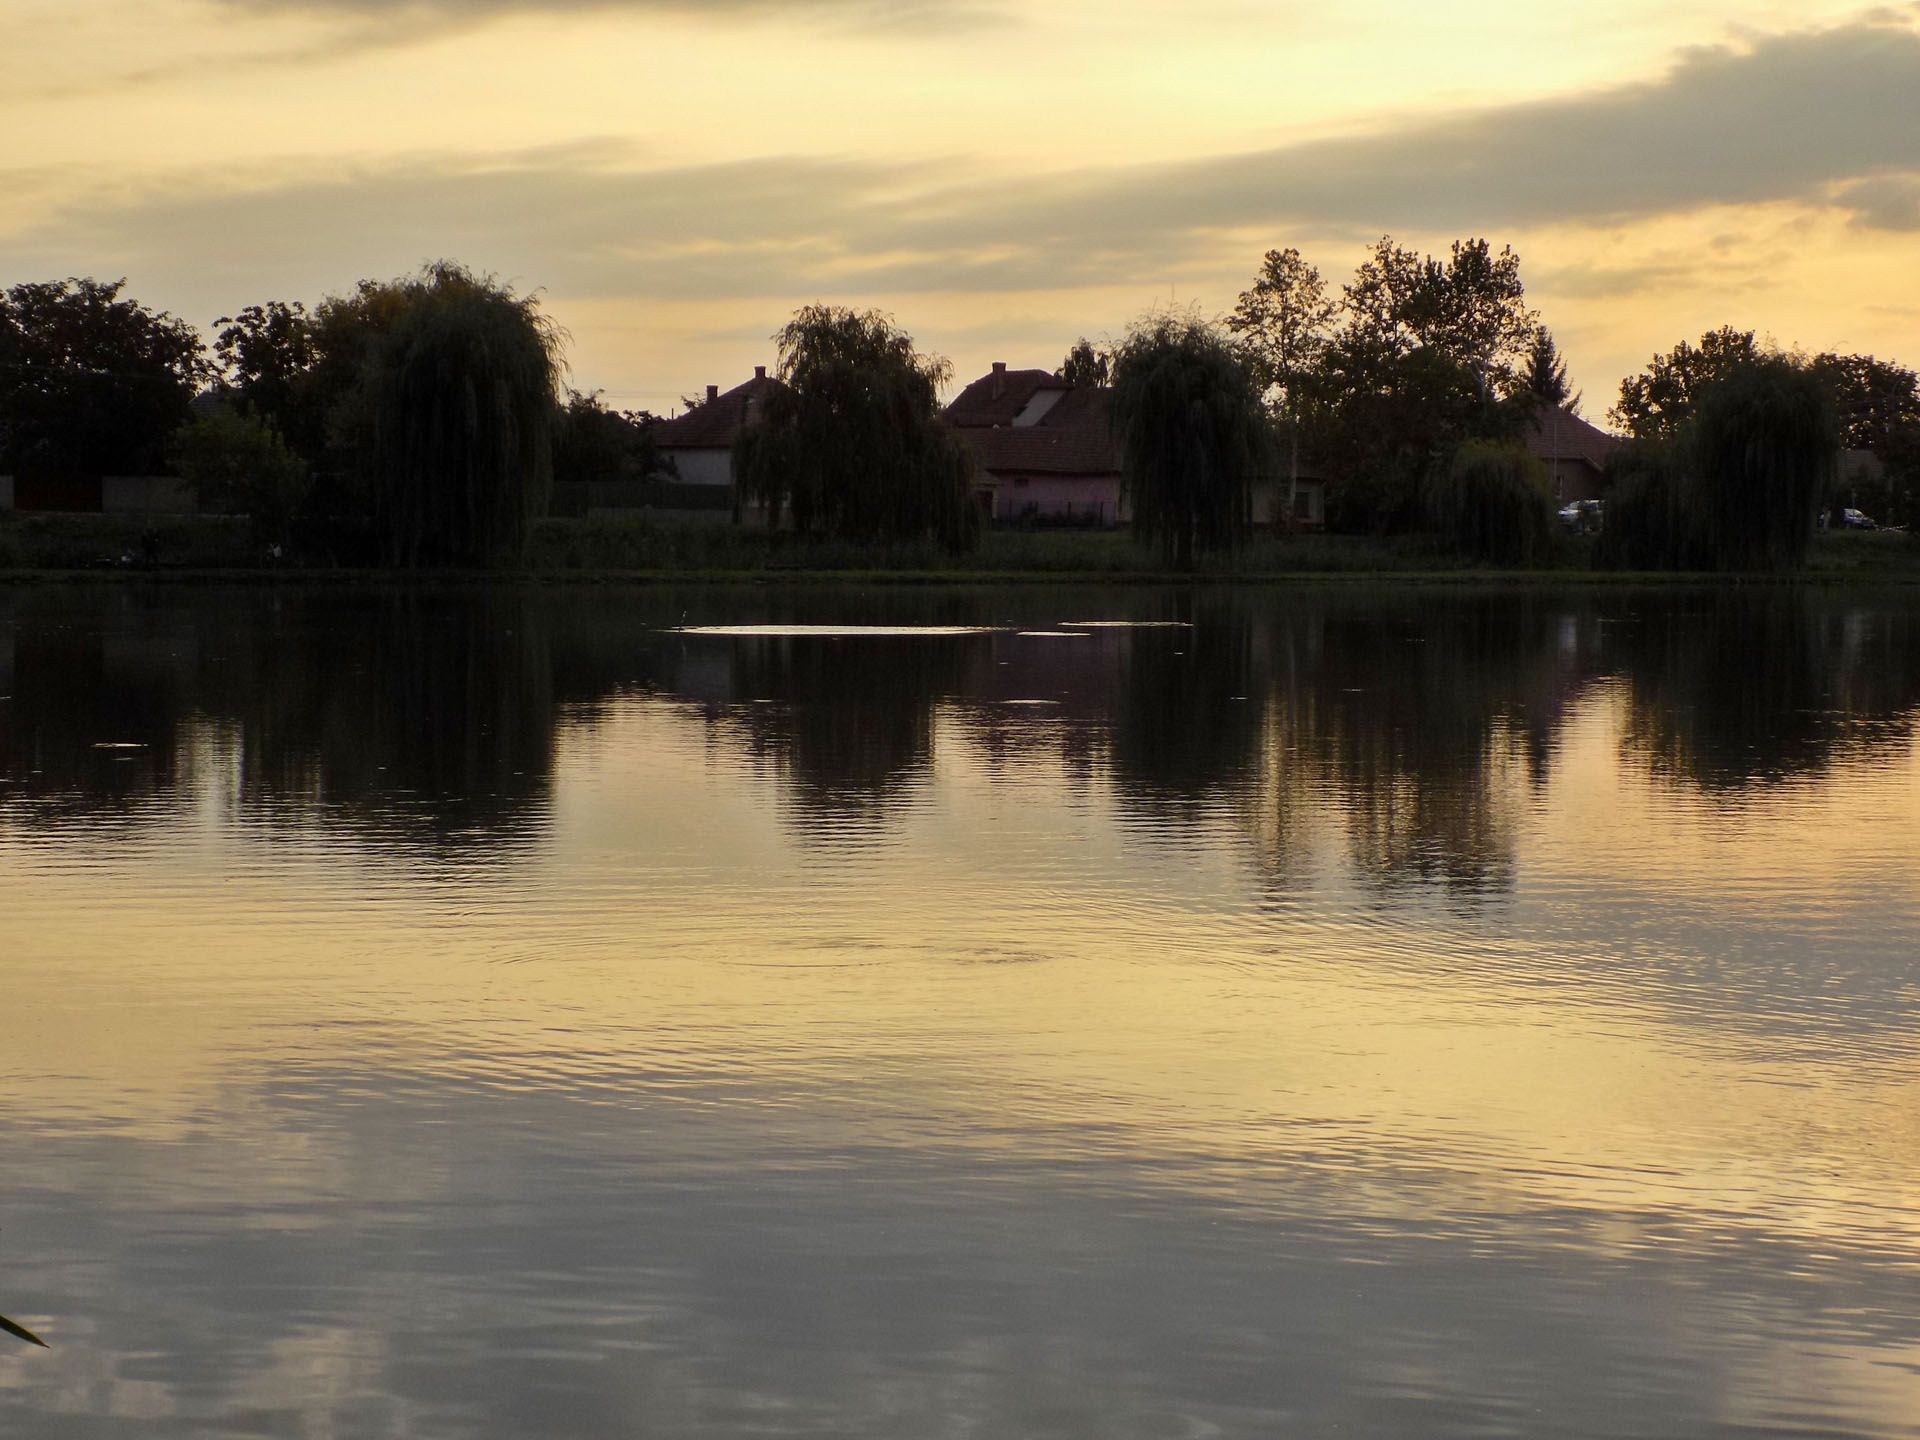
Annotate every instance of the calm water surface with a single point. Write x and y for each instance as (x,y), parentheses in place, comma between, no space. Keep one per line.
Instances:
(629,1013)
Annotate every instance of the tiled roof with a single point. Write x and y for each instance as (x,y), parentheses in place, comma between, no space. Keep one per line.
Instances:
(1556,433)
(1073,437)
(1043,450)
(712,424)
(996,398)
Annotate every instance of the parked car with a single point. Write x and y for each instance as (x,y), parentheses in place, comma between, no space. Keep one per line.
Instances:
(1583,517)
(1851,519)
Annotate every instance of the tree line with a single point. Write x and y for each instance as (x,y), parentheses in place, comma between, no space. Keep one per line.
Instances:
(409,422)
(423,420)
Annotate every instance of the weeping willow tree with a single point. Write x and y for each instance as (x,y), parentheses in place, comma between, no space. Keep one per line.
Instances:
(460,397)
(851,442)
(1762,446)
(1494,503)
(1650,521)
(1193,437)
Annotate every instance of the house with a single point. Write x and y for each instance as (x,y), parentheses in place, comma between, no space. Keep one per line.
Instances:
(700,442)
(1574,452)
(1044,448)
(1309,497)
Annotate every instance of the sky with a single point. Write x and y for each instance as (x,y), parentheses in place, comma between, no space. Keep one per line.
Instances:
(675,177)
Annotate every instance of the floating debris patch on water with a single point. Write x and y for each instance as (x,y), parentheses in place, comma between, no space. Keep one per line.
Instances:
(119,745)
(833,632)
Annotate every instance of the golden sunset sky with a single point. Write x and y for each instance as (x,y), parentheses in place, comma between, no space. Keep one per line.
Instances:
(675,176)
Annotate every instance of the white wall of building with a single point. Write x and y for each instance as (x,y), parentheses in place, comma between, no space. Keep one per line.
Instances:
(705,466)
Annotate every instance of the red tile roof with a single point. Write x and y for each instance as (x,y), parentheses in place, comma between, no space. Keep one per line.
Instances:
(995,399)
(1556,433)
(1043,450)
(1073,437)
(712,424)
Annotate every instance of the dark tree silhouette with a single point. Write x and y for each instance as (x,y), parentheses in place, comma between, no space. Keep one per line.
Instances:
(1284,324)
(1494,503)
(1762,446)
(1086,364)
(1659,401)
(852,442)
(461,393)
(91,383)
(1193,436)
(1545,378)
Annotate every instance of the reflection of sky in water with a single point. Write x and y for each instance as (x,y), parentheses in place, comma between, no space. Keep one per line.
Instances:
(1428,1017)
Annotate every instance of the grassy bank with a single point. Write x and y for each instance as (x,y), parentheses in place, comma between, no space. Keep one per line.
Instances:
(712,548)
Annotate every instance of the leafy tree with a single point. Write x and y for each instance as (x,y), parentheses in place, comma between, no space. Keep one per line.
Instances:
(597,442)
(1875,399)
(1473,309)
(1193,434)
(91,383)
(238,465)
(1424,353)
(852,442)
(1763,443)
(1086,364)
(1494,503)
(1545,377)
(267,355)
(1739,486)
(459,394)
(1285,323)
(1382,421)
(1650,522)
(1663,398)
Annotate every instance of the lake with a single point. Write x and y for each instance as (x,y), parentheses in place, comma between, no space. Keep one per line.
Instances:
(944,1012)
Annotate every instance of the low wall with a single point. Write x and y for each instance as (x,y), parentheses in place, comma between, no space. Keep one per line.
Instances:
(147,495)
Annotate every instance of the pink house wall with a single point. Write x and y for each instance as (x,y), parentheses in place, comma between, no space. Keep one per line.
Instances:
(1058,495)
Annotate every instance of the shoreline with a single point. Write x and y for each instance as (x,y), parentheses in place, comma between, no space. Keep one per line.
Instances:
(916,579)
(212,550)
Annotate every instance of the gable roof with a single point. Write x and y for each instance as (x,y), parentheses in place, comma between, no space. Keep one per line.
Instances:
(713,424)
(1075,437)
(1043,450)
(997,397)
(1556,433)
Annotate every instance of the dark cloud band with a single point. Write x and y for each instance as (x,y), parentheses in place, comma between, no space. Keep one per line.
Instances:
(1822,118)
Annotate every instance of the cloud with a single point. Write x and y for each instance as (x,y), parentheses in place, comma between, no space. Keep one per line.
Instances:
(1885,202)
(409,17)
(1821,118)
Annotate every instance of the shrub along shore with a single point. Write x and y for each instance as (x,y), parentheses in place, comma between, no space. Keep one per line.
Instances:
(187,548)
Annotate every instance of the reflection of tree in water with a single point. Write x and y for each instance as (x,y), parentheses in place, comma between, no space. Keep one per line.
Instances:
(1420,725)
(1186,724)
(1427,726)
(92,720)
(847,724)
(421,718)
(1729,689)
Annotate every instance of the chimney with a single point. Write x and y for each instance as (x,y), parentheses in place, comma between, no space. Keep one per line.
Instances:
(999,377)
(759,372)
(713,392)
